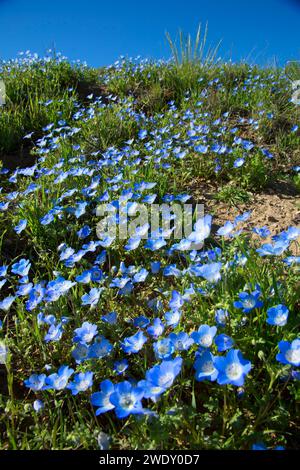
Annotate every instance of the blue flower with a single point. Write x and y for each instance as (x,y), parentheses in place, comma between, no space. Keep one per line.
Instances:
(3,352)
(133,344)
(156,329)
(110,318)
(176,301)
(181,341)
(6,303)
(160,377)
(54,333)
(141,322)
(226,229)
(205,367)
(35,382)
(204,336)
(173,318)
(210,272)
(163,348)
(92,298)
(248,301)
(21,226)
(80,353)
(127,399)
(84,232)
(223,342)
(263,232)
(59,380)
(100,349)
(273,250)
(21,267)
(289,352)
(221,316)
(120,366)
(102,399)
(38,405)
(85,333)
(81,382)
(278,315)
(232,368)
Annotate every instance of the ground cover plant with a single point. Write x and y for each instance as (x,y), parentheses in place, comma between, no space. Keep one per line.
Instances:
(149,342)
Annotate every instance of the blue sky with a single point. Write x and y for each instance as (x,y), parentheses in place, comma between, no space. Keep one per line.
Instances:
(100,31)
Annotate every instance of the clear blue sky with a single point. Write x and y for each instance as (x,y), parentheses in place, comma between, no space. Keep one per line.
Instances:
(100,31)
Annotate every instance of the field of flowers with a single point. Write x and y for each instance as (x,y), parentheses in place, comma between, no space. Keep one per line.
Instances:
(147,342)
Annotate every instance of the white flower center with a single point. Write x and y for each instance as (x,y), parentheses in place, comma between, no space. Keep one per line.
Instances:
(206,340)
(208,367)
(293,355)
(234,371)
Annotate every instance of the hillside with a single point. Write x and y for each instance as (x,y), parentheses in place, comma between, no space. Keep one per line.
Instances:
(119,327)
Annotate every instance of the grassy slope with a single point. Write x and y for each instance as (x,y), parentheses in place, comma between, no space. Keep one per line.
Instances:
(169,101)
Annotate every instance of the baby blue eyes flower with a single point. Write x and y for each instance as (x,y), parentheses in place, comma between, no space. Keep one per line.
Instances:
(141,322)
(289,352)
(223,342)
(59,380)
(226,229)
(38,405)
(210,272)
(127,399)
(248,301)
(142,134)
(221,316)
(262,232)
(205,367)
(232,368)
(21,267)
(181,341)
(81,382)
(160,377)
(6,303)
(101,348)
(204,336)
(36,382)
(239,162)
(278,315)
(101,399)
(156,329)
(120,366)
(176,301)
(54,333)
(133,344)
(273,250)
(92,298)
(173,318)
(80,353)
(21,226)
(163,348)
(110,318)
(3,352)
(85,333)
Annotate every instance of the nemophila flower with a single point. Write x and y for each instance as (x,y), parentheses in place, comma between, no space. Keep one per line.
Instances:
(55,289)
(205,367)
(289,352)
(154,244)
(221,315)
(204,336)
(232,368)
(120,366)
(21,226)
(84,232)
(35,297)
(140,276)
(132,243)
(155,267)
(278,315)
(59,380)
(6,303)
(223,342)
(142,134)
(202,229)
(181,341)
(273,250)
(85,277)
(54,333)
(210,272)
(160,377)
(110,318)
(163,348)
(81,382)
(92,298)
(290,260)
(3,352)
(38,405)
(156,329)
(172,318)
(80,353)
(248,301)
(176,301)
(24,289)
(238,162)
(35,382)
(21,267)
(263,232)
(85,333)
(2,282)
(3,270)
(101,399)
(127,399)
(100,348)
(141,322)
(226,229)
(133,344)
